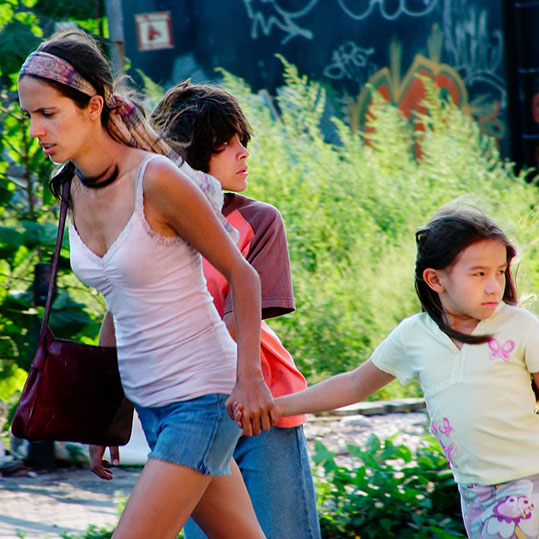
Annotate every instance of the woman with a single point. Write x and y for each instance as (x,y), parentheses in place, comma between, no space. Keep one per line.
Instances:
(137,225)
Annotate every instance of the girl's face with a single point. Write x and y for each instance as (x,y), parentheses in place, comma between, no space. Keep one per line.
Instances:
(473,286)
(55,120)
(229,166)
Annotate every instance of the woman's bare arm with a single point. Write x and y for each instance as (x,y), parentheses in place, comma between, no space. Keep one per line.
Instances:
(173,205)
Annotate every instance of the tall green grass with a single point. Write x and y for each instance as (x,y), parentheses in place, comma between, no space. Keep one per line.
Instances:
(351,208)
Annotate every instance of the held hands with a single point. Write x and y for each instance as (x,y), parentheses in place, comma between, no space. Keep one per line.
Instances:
(99,466)
(257,406)
(237,410)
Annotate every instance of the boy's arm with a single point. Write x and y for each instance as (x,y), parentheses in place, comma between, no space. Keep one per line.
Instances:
(230,324)
(335,392)
(100,467)
(535,385)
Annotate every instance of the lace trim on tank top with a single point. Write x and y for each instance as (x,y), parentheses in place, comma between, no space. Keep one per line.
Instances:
(115,245)
(138,213)
(139,206)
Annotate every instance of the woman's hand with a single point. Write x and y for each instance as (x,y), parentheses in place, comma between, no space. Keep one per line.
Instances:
(98,465)
(257,406)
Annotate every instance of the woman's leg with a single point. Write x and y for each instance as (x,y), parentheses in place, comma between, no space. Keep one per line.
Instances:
(276,470)
(225,509)
(200,435)
(161,501)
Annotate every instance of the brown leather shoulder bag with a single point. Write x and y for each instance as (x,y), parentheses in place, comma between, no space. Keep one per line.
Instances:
(73,390)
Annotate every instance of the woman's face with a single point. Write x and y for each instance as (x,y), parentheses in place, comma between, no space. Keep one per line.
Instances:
(59,125)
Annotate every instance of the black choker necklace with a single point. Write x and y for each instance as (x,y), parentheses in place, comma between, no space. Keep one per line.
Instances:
(93,182)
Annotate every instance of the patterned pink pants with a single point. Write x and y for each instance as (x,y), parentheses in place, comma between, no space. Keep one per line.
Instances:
(505,511)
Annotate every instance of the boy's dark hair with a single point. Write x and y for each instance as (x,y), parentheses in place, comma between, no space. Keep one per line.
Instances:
(197,119)
(449,232)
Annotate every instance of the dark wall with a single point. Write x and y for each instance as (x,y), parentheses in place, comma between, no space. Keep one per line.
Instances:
(526,57)
(467,46)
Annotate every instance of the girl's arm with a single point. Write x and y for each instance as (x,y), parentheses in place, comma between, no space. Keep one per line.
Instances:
(174,205)
(339,390)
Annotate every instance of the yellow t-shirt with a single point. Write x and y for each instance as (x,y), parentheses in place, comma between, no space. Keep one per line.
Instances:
(479,398)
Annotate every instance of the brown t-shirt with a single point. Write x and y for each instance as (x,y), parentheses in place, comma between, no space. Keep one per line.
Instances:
(263,243)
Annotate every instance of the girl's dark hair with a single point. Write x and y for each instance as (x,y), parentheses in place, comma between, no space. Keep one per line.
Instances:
(197,119)
(449,232)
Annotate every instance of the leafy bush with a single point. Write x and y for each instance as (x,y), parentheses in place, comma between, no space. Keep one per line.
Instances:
(28,213)
(392,492)
(351,209)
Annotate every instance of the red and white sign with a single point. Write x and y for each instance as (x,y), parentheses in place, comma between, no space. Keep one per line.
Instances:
(154,31)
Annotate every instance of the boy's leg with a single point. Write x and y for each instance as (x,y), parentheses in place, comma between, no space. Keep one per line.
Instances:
(276,470)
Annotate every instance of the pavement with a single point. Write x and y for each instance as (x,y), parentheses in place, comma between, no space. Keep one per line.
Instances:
(46,505)
(63,502)
(62,498)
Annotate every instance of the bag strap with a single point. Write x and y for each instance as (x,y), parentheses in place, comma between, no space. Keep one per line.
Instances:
(59,238)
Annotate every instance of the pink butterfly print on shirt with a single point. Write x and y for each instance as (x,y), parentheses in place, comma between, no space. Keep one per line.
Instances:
(449,452)
(501,350)
(445,427)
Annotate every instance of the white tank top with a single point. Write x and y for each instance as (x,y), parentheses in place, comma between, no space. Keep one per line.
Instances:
(172,344)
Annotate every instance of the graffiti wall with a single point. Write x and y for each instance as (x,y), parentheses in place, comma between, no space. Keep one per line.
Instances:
(466,46)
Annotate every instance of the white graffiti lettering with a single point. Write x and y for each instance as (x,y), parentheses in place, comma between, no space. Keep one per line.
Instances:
(267,14)
(389,9)
(348,61)
(476,51)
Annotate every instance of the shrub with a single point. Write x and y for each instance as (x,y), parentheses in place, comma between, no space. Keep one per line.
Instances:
(350,205)
(391,492)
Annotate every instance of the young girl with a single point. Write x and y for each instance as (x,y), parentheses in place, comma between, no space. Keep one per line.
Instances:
(137,222)
(208,126)
(474,352)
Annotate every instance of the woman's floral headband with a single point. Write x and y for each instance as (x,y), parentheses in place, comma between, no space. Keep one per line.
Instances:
(45,65)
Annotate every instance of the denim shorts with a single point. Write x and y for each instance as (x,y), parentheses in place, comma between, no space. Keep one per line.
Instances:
(196,433)
(276,470)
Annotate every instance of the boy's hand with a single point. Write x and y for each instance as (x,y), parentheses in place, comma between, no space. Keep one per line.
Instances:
(98,465)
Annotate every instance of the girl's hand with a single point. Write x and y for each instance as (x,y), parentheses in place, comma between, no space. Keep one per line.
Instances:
(237,410)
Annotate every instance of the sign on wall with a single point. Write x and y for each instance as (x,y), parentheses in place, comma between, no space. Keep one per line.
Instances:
(154,31)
